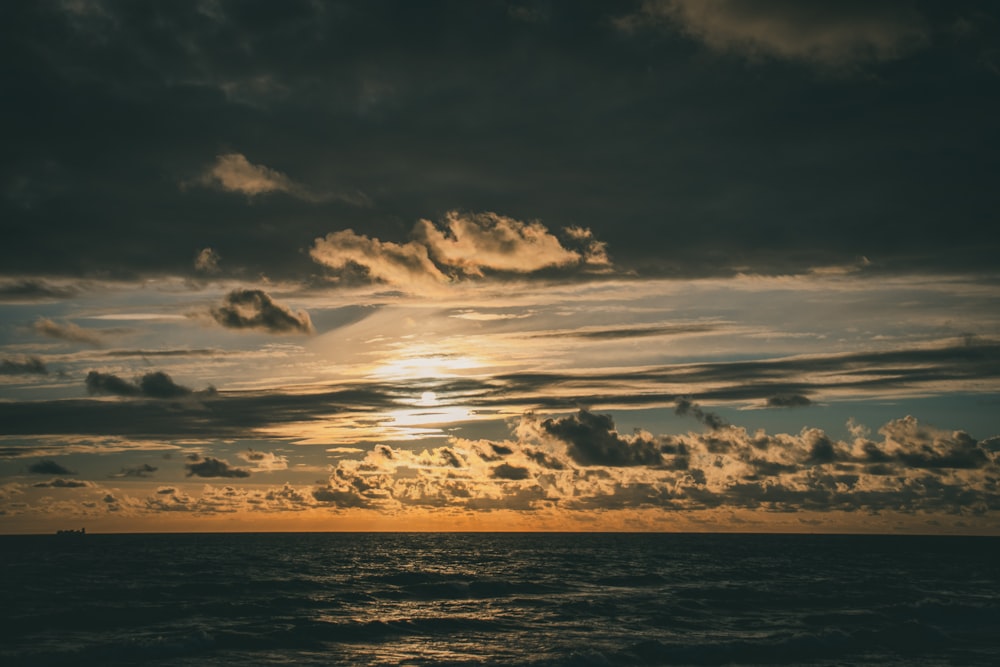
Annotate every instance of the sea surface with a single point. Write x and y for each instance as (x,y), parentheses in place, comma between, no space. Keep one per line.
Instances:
(499,599)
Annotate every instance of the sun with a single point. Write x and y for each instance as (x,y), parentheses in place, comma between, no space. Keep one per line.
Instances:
(428,398)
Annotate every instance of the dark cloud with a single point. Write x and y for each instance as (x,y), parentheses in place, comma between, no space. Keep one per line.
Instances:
(60,483)
(822,450)
(33,291)
(151,385)
(107,383)
(28,366)
(340,498)
(255,309)
(544,460)
(48,467)
(788,401)
(640,141)
(684,406)
(159,385)
(212,467)
(507,471)
(144,470)
(224,415)
(592,440)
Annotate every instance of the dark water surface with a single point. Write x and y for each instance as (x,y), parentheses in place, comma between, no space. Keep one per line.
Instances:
(510,599)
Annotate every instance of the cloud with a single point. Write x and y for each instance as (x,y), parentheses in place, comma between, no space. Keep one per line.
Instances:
(231,415)
(684,406)
(788,401)
(159,385)
(613,333)
(152,385)
(69,332)
(831,34)
(62,484)
(34,291)
(868,373)
(920,446)
(406,264)
(595,253)
(212,467)
(507,471)
(232,172)
(473,242)
(107,383)
(264,461)
(207,261)
(592,440)
(599,468)
(144,470)
(49,467)
(465,245)
(27,366)
(255,309)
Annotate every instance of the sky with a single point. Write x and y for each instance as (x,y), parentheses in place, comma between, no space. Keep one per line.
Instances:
(660,265)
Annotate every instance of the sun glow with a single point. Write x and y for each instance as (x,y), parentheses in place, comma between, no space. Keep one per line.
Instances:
(422,361)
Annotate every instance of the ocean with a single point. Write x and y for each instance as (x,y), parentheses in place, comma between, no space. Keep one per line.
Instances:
(499,599)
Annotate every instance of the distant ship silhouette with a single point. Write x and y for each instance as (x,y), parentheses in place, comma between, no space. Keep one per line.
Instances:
(72,533)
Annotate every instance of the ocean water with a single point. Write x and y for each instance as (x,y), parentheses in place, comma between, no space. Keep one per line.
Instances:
(499,599)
